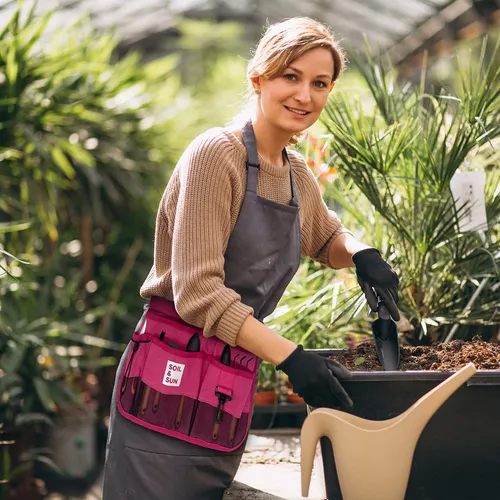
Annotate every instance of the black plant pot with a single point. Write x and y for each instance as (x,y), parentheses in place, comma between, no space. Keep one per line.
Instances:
(458,454)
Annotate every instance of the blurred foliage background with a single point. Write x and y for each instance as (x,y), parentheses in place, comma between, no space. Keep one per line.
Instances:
(88,142)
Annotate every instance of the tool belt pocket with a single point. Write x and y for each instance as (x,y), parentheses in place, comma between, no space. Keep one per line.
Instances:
(165,392)
(224,406)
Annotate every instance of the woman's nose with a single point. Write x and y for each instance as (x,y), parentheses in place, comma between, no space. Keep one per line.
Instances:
(303,94)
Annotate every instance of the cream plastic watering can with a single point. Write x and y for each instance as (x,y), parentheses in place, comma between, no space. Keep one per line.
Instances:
(373,458)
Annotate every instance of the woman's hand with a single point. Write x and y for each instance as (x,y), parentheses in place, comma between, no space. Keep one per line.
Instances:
(377,277)
(316,379)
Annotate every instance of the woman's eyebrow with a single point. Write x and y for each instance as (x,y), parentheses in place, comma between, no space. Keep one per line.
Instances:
(325,75)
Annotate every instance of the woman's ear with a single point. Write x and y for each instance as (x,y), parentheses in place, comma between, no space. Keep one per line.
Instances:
(331,86)
(255,81)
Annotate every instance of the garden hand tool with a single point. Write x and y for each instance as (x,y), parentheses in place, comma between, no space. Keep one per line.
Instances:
(385,332)
(315,379)
(225,359)
(147,392)
(192,346)
(234,420)
(156,400)
(173,345)
(136,346)
(127,371)
(377,278)
(386,337)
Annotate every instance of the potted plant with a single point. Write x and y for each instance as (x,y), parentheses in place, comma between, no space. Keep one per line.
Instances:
(291,397)
(266,384)
(397,154)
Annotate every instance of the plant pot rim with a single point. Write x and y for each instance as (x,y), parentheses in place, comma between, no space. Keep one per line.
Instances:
(481,377)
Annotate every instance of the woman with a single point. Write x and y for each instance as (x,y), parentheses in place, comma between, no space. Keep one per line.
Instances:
(238,213)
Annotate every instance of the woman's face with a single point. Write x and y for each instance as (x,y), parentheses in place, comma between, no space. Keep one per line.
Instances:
(294,100)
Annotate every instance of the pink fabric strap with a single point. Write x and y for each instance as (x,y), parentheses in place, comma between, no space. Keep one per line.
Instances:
(225,385)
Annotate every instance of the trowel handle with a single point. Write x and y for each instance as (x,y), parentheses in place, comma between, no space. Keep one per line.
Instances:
(383,312)
(370,295)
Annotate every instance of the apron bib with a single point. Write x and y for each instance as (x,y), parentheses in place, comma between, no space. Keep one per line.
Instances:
(176,383)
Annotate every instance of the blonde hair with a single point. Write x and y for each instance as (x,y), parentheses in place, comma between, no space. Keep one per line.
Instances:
(287,40)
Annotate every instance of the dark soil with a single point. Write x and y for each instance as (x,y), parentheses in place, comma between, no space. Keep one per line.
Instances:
(441,357)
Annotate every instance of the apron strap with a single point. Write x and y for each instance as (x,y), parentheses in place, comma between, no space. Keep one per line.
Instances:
(253,165)
(294,202)
(248,136)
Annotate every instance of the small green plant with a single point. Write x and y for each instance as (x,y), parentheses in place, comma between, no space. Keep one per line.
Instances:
(267,377)
(359,361)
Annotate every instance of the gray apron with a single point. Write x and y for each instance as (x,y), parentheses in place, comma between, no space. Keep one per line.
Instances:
(262,256)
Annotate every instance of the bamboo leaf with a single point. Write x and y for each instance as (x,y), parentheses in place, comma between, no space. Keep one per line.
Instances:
(62,162)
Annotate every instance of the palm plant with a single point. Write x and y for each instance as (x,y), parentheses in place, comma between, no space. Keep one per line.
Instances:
(397,153)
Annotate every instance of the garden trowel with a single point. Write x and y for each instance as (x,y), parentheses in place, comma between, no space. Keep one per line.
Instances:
(384,330)
(385,333)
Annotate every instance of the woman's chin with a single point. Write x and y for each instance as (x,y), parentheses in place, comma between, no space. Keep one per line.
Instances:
(293,128)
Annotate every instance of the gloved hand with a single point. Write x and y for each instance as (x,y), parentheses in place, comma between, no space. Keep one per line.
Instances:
(377,277)
(314,378)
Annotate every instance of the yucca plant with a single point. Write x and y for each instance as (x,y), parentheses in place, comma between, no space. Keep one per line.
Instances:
(396,154)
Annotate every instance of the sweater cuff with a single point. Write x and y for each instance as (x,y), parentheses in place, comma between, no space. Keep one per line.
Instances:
(230,322)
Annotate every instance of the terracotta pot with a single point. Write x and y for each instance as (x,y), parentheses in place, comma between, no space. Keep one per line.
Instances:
(265,398)
(295,398)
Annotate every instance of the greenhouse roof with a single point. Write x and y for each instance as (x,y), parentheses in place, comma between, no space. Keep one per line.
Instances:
(402,28)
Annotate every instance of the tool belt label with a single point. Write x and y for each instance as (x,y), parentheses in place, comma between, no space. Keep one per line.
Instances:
(173,374)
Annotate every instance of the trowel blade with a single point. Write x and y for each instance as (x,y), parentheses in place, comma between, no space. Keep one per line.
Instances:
(385,333)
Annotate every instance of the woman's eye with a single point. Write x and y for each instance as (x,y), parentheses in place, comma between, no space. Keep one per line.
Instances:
(289,76)
(320,84)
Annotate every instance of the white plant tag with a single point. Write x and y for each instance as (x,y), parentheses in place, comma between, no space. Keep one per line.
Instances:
(173,374)
(468,189)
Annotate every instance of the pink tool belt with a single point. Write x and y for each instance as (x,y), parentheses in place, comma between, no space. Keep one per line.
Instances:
(177,382)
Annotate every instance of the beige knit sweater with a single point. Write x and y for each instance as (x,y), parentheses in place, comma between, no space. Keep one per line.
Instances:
(197,214)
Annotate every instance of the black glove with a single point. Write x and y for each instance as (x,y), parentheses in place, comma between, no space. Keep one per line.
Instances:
(374,273)
(314,378)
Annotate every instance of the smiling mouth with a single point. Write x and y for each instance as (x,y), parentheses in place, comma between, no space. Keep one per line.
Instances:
(299,112)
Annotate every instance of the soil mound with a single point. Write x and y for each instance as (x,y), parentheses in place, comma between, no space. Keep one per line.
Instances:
(441,357)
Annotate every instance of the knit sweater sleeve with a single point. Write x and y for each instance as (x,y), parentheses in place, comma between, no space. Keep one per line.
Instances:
(320,225)
(201,232)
